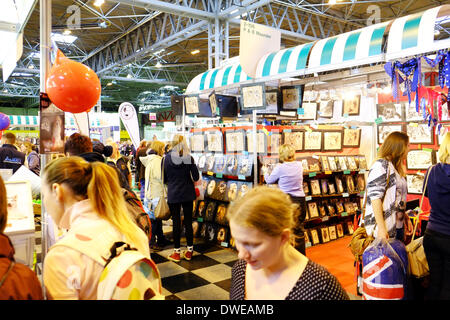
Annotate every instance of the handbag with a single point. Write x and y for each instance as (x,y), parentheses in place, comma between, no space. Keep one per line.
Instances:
(162,210)
(417,260)
(360,239)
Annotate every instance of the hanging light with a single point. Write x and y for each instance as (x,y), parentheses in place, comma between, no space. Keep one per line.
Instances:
(98,3)
(193,52)
(158,64)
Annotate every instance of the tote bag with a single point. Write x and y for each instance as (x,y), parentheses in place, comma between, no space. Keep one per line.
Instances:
(162,210)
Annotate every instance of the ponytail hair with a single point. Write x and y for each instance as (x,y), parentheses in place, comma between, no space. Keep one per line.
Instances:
(99,183)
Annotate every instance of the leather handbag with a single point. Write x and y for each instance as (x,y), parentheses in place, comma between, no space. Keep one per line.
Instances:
(417,260)
(360,239)
(162,210)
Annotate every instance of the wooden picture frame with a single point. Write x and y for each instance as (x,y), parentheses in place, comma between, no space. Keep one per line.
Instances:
(214,141)
(390,112)
(420,133)
(313,210)
(352,138)
(325,109)
(295,138)
(312,140)
(231,165)
(325,234)
(274,142)
(332,232)
(360,182)
(350,227)
(339,230)
(420,159)
(332,140)
(415,183)
(213,103)
(291,97)
(253,96)
(220,163)
(272,103)
(362,163)
(350,107)
(352,163)
(315,187)
(197,142)
(324,163)
(310,111)
(315,236)
(332,163)
(235,140)
(192,104)
(383,130)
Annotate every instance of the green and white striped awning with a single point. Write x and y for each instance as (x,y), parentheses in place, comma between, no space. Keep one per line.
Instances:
(218,77)
(23,121)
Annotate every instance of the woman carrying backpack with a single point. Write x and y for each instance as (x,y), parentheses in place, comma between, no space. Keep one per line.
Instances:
(85,199)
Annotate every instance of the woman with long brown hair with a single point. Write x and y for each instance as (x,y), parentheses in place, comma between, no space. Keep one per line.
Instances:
(386,189)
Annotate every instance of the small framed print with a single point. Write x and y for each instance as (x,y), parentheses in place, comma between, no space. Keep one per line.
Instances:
(349,183)
(307,240)
(313,164)
(313,210)
(315,187)
(325,234)
(291,97)
(305,166)
(415,183)
(202,162)
(322,212)
(332,140)
(362,163)
(305,188)
(315,237)
(210,161)
(222,235)
(331,189)
(361,182)
(220,192)
(339,207)
(420,159)
(350,107)
(410,112)
(390,112)
(231,165)
(348,207)
(339,230)
(332,232)
(352,163)
(350,227)
(325,164)
(220,163)
(221,214)
(269,162)
(191,103)
(326,109)
(232,190)
(274,142)
(261,141)
(214,141)
(385,129)
(331,209)
(313,141)
(201,207)
(213,103)
(332,163)
(352,137)
(309,111)
(339,185)
(272,103)
(253,96)
(235,140)
(245,165)
(343,163)
(419,133)
(294,138)
(197,142)
(324,186)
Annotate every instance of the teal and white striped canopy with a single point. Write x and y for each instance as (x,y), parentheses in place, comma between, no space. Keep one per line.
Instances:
(24,121)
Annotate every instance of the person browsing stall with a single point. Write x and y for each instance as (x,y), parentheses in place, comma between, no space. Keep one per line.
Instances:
(10,157)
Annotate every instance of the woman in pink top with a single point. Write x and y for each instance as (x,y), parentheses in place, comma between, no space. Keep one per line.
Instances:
(85,199)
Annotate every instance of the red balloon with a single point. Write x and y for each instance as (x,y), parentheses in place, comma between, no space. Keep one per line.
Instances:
(72,86)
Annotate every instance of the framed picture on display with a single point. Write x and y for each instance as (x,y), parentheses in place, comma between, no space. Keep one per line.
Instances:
(350,227)
(197,142)
(352,137)
(339,185)
(214,141)
(331,209)
(309,111)
(213,103)
(339,207)
(231,165)
(245,165)
(313,141)
(253,96)
(244,187)
(220,162)
(232,190)
(352,163)
(177,104)
(292,97)
(272,103)
(228,106)
(324,186)
(348,207)
(390,112)
(332,163)
(315,236)
(220,191)
(350,107)
(191,103)
(201,165)
(419,133)
(313,210)
(339,230)
(415,183)
(383,130)
(324,163)
(362,163)
(332,140)
(294,138)
(261,141)
(210,188)
(315,187)
(331,189)
(350,183)
(305,188)
(274,142)
(325,234)
(313,164)
(210,211)
(322,212)
(222,235)
(326,109)
(210,161)
(420,159)
(269,162)
(361,182)
(332,232)
(235,140)
(410,112)
(342,163)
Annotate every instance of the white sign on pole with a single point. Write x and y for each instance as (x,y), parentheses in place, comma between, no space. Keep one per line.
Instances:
(128,115)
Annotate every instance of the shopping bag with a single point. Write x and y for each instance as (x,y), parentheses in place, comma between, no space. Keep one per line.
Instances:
(385,265)
(162,210)
(418,264)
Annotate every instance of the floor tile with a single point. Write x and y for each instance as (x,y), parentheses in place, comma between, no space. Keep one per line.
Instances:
(214,273)
(223,256)
(205,247)
(157,258)
(206,292)
(224,284)
(198,262)
(182,282)
(231,263)
(169,268)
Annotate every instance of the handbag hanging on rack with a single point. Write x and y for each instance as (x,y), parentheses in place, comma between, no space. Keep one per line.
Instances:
(162,210)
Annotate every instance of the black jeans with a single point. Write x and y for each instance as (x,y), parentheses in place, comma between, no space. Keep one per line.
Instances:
(437,251)
(157,232)
(175,209)
(299,230)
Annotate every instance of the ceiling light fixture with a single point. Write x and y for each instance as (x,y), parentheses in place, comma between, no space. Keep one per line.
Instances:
(109,84)
(129,76)
(195,51)
(331,2)
(98,3)
(158,64)
(67,32)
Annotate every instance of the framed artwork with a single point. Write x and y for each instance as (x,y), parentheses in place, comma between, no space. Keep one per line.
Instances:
(332,163)
(294,138)
(261,141)
(331,189)
(211,187)
(349,183)
(352,138)
(390,112)
(313,210)
(196,228)
(202,162)
(325,234)
(322,212)
(243,188)
(291,97)
(339,230)
(232,190)
(332,232)
(332,141)
(210,161)
(191,103)
(213,103)
(419,133)
(324,186)
(310,111)
(315,237)
(385,129)
(326,109)
(305,188)
(214,141)
(313,164)
(410,112)
(211,232)
(342,163)
(253,96)
(245,165)
(331,209)
(235,140)
(305,164)
(313,141)
(19,204)
(220,162)
(307,240)
(269,163)
(348,207)
(339,207)
(200,208)
(221,214)
(415,183)
(272,102)
(351,106)
(210,211)
(205,182)
(220,191)
(420,159)
(361,182)
(350,227)
(339,185)
(231,165)
(222,235)
(325,164)
(362,163)
(315,187)
(274,142)
(352,163)
(197,142)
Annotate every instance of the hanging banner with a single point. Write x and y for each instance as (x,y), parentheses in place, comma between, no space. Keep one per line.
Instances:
(51,127)
(128,115)
(82,121)
(256,40)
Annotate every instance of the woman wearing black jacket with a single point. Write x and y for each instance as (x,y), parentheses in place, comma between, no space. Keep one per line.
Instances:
(180,172)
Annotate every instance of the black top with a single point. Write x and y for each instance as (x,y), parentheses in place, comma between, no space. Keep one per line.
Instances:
(11,158)
(315,283)
(179,175)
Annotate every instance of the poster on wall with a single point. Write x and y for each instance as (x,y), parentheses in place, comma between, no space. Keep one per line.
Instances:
(351,106)
(253,96)
(51,126)
(390,112)
(419,133)
(385,130)
(352,137)
(128,115)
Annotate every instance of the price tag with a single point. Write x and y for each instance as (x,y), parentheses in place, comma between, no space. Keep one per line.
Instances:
(344,214)
(265,131)
(378,120)
(345,195)
(241,177)
(287,130)
(300,111)
(328,172)
(325,218)
(308,198)
(346,171)
(224,244)
(315,157)
(362,171)
(209,173)
(420,174)
(427,149)
(200,219)
(345,115)
(219,175)
(413,124)
(312,174)
(308,244)
(245,153)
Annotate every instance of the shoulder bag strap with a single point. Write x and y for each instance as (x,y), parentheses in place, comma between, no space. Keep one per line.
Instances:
(421,203)
(11,265)
(162,177)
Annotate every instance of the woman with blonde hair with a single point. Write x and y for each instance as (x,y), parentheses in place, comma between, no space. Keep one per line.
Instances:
(85,199)
(386,190)
(180,172)
(269,267)
(289,176)
(436,240)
